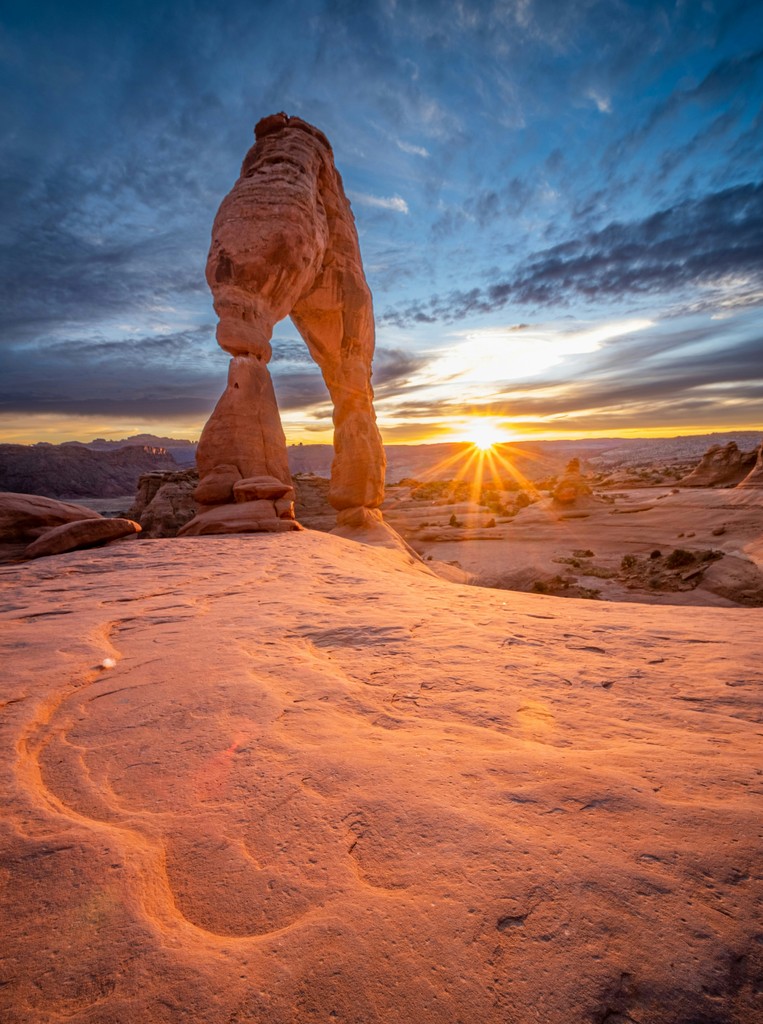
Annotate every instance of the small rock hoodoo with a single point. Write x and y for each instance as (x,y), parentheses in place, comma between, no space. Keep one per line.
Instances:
(284,243)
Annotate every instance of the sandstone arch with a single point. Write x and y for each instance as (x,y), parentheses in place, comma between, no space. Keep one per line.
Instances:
(284,243)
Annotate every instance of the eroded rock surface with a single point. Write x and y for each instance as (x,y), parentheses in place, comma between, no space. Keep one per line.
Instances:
(721,466)
(263,780)
(284,243)
(165,502)
(755,476)
(26,516)
(242,517)
(572,485)
(85,533)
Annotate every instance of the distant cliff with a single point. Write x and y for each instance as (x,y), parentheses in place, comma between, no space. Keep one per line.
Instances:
(74,471)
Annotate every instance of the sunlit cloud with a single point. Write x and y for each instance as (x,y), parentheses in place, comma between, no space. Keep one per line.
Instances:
(507,354)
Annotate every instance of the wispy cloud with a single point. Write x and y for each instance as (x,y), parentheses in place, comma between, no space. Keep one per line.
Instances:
(408,147)
(395,203)
(603,103)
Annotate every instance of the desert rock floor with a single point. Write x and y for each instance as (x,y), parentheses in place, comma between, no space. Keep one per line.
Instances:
(314,782)
(542,546)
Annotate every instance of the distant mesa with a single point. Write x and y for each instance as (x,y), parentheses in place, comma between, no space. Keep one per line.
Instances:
(725,466)
(284,243)
(73,470)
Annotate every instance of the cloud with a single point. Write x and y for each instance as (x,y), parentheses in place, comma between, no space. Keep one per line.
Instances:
(715,240)
(408,147)
(161,375)
(603,103)
(723,83)
(395,203)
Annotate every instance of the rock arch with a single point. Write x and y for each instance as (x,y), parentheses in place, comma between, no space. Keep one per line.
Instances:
(284,243)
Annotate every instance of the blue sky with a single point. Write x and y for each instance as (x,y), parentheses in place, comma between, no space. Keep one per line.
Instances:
(560,209)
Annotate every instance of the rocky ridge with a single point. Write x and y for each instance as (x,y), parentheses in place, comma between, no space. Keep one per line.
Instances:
(74,471)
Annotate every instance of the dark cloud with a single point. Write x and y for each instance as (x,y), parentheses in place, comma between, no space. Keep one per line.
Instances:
(143,376)
(693,243)
(393,367)
(290,350)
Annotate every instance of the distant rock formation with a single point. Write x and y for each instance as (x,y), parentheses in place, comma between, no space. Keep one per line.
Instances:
(571,486)
(284,243)
(181,450)
(755,477)
(165,502)
(76,471)
(720,466)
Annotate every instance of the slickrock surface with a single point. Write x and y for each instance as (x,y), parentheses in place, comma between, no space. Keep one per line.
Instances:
(585,549)
(319,784)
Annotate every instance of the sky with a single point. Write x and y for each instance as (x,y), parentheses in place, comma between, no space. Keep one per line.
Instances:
(559,206)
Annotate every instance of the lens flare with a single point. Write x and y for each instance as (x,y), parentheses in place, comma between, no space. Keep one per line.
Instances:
(483,434)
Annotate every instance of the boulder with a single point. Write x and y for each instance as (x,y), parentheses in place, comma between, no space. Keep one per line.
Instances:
(255,487)
(26,516)
(284,508)
(217,486)
(723,465)
(242,517)
(85,533)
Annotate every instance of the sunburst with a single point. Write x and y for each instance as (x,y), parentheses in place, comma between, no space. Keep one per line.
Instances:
(483,433)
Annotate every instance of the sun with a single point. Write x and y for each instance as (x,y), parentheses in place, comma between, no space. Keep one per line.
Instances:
(483,434)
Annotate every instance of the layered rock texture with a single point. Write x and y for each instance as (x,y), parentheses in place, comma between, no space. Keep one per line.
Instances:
(165,502)
(53,527)
(27,516)
(85,533)
(755,476)
(721,466)
(284,244)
